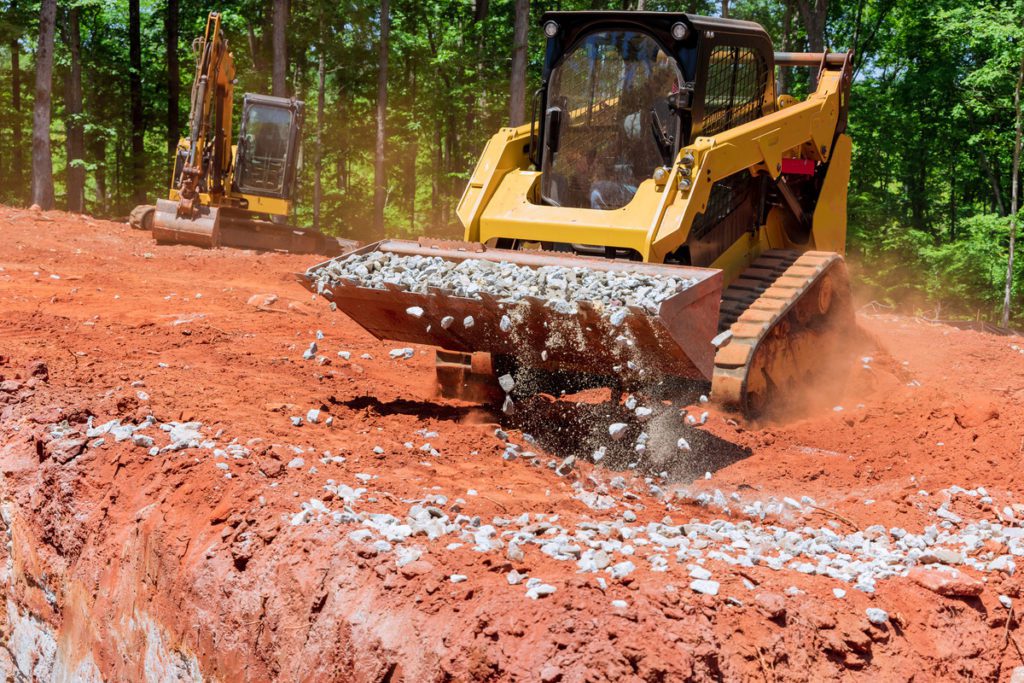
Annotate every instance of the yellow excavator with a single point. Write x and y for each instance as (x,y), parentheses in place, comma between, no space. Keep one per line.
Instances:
(234,195)
(658,147)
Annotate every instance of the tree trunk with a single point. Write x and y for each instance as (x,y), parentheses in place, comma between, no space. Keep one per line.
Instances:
(280,77)
(725,9)
(435,181)
(517,90)
(480,10)
(173,77)
(952,198)
(475,95)
(785,72)
(17,153)
(97,148)
(451,154)
(814,13)
(73,113)
(42,163)
(135,87)
(255,47)
(342,165)
(997,193)
(1014,185)
(318,162)
(414,151)
(379,181)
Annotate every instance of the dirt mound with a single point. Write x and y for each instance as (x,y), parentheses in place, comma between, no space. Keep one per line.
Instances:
(182,467)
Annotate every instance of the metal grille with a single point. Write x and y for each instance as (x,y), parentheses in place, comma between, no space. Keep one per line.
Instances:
(729,214)
(735,88)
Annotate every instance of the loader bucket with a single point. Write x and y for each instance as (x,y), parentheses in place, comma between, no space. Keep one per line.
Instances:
(170,228)
(673,340)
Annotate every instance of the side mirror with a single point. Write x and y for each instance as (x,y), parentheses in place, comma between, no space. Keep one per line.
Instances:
(553,128)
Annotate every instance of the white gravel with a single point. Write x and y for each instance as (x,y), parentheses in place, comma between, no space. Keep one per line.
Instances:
(877,616)
(705,587)
(505,281)
(616,548)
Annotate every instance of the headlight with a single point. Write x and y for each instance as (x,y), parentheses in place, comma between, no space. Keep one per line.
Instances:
(680,31)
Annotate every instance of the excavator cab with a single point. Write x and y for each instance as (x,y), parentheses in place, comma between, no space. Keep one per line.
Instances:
(267,155)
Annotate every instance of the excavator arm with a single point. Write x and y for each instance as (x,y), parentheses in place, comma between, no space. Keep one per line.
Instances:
(206,155)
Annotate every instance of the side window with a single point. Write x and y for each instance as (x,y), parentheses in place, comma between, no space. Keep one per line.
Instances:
(726,196)
(734,92)
(731,212)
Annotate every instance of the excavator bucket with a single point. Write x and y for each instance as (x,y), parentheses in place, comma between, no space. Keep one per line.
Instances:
(598,338)
(227,227)
(170,228)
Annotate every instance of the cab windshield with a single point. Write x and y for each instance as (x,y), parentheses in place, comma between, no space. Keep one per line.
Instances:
(608,124)
(265,138)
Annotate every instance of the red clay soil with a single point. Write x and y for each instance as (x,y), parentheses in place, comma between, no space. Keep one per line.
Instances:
(142,566)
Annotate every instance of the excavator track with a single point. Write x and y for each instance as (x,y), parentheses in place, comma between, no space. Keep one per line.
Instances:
(786,312)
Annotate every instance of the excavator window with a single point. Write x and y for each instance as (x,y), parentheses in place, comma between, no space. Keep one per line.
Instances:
(264,142)
(608,123)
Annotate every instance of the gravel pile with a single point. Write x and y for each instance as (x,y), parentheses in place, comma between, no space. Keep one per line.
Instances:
(616,547)
(179,436)
(507,282)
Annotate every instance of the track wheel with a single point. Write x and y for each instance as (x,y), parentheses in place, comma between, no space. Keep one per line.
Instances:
(787,339)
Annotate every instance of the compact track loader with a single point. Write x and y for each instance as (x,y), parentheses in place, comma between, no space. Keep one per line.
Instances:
(234,195)
(660,146)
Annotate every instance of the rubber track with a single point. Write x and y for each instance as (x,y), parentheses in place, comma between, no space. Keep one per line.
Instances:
(752,283)
(758,300)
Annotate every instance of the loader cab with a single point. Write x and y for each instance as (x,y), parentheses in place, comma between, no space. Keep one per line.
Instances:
(622,92)
(268,146)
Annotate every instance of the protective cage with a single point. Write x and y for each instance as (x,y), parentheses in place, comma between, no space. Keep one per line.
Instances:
(727,65)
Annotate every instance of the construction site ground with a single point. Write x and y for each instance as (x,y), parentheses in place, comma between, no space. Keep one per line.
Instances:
(226,558)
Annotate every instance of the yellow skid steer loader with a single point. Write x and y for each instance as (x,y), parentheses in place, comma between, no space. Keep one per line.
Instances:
(667,214)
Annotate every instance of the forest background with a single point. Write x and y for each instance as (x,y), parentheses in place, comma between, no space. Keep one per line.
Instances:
(401,96)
